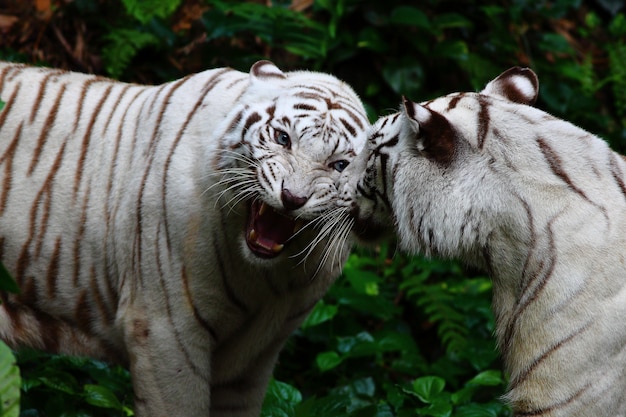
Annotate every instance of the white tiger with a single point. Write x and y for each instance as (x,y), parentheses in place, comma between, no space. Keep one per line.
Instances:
(536,202)
(184,229)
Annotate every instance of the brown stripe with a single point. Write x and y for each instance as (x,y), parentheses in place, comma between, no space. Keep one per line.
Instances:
(556,165)
(454,101)
(78,240)
(521,377)
(348,126)
(83,313)
(483,121)
(196,313)
(46,129)
(95,112)
(617,173)
(154,140)
(41,92)
(230,293)
(53,270)
(553,407)
(105,311)
(7,158)
(180,340)
(208,87)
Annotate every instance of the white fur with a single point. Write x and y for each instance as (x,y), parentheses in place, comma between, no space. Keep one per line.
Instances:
(539,204)
(137,207)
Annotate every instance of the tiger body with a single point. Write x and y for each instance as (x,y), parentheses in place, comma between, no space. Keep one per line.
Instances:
(126,217)
(533,200)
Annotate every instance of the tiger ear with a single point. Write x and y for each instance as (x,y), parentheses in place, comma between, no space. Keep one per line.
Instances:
(262,71)
(516,84)
(435,137)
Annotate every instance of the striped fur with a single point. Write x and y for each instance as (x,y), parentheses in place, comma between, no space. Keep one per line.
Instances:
(127,216)
(537,203)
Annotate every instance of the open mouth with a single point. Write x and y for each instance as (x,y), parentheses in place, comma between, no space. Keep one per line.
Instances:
(268,230)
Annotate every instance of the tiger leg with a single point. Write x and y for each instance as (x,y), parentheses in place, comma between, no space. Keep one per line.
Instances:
(166,380)
(243,396)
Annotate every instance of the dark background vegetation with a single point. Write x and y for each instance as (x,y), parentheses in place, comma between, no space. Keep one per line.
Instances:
(396,335)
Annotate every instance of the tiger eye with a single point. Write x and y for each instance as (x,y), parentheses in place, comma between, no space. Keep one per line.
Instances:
(282,138)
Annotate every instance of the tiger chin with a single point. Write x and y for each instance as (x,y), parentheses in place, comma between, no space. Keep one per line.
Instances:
(183,230)
(537,203)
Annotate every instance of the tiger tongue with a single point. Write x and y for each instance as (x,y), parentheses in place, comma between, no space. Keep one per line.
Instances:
(268,230)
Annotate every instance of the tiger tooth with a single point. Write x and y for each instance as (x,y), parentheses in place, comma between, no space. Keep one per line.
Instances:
(277,247)
(252,236)
(262,209)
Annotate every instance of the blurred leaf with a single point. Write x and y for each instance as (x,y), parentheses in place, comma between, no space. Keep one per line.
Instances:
(321,313)
(101,397)
(488,378)
(407,15)
(145,10)
(328,360)
(9,384)
(428,387)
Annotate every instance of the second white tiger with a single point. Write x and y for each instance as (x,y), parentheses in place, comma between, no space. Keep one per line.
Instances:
(184,229)
(537,203)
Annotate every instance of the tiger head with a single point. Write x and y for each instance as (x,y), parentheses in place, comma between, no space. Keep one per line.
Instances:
(282,154)
(425,171)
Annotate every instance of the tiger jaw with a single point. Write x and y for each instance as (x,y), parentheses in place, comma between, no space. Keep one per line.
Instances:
(268,230)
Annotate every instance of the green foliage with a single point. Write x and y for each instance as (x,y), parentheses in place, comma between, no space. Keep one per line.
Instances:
(396,336)
(60,386)
(146,10)
(408,336)
(9,383)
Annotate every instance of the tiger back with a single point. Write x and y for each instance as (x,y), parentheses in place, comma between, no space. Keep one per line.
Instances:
(183,230)
(533,200)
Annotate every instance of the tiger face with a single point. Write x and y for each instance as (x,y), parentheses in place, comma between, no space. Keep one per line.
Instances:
(283,153)
(419,172)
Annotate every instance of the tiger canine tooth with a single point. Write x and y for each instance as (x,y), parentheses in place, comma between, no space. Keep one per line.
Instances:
(262,209)
(277,247)
(252,236)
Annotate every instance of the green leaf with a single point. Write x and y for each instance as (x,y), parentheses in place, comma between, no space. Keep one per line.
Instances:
(321,313)
(102,397)
(121,48)
(407,15)
(439,408)
(284,392)
(9,383)
(6,282)
(475,410)
(490,378)
(145,10)
(59,380)
(428,387)
(328,360)
(2,103)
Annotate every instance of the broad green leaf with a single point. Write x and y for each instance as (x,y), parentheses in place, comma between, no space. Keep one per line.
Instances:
(9,383)
(437,409)
(321,313)
(2,103)
(102,397)
(328,360)
(284,392)
(428,387)
(487,378)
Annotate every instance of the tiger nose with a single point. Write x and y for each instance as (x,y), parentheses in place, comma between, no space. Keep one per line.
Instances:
(290,201)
